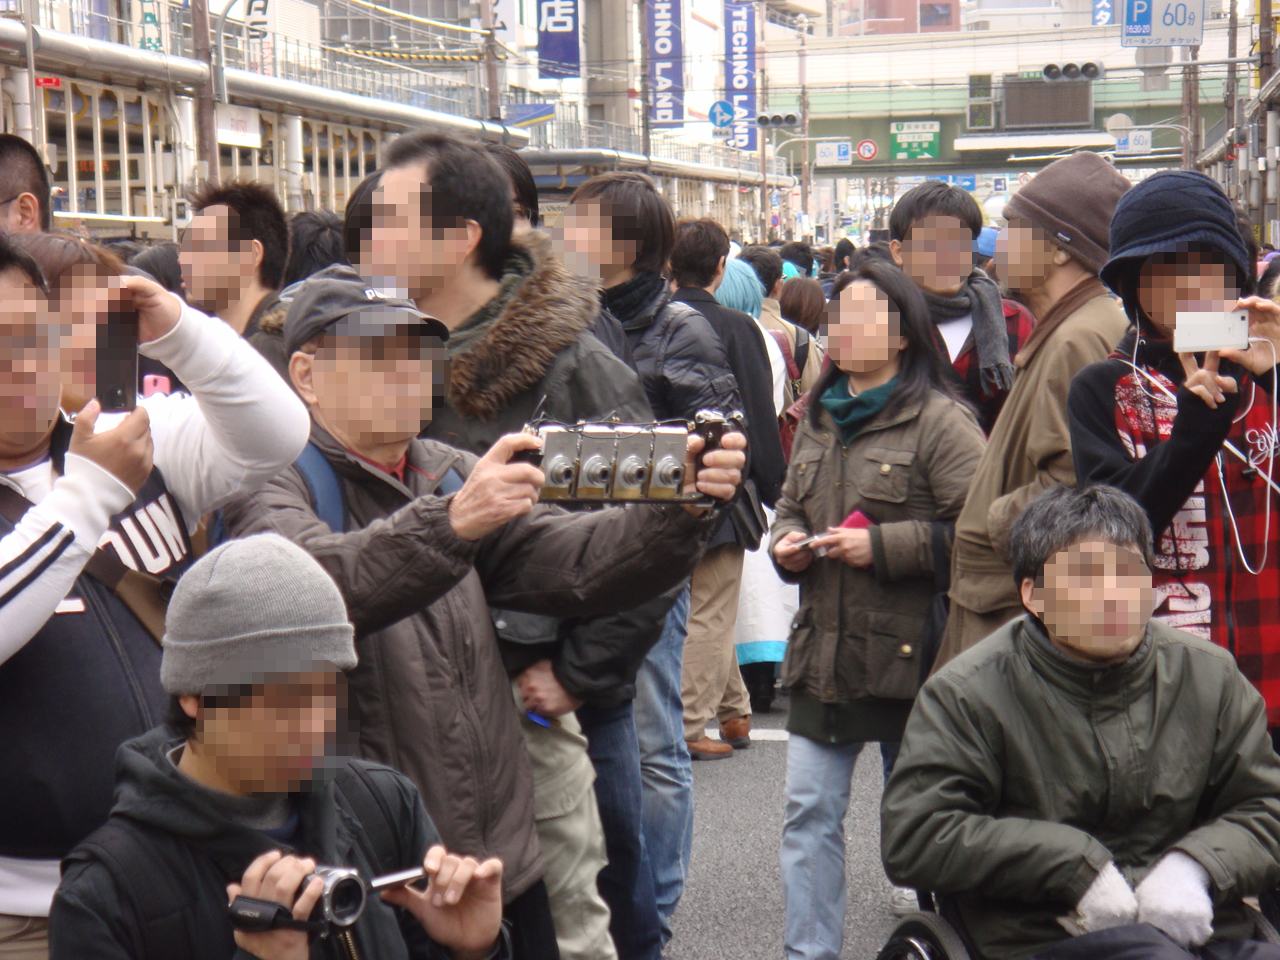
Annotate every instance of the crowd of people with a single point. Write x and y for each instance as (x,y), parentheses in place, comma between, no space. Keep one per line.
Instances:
(298,605)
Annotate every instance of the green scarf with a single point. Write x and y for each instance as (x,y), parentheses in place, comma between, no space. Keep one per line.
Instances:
(519,264)
(852,413)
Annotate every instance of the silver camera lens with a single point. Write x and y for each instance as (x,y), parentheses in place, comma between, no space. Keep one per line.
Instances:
(668,472)
(343,897)
(560,472)
(633,472)
(596,472)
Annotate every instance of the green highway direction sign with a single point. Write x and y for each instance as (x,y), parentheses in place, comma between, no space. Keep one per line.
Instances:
(914,139)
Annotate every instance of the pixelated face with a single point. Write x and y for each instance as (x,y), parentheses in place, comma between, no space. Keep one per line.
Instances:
(408,247)
(595,244)
(938,253)
(1024,256)
(272,739)
(1194,280)
(863,330)
(217,259)
(372,390)
(79,302)
(29,378)
(1095,599)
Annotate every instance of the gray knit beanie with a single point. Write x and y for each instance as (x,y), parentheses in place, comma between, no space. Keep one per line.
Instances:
(249,610)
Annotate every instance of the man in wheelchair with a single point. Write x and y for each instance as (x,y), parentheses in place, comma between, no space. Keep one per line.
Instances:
(1088,782)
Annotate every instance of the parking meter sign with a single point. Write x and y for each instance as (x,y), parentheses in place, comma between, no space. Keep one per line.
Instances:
(1163,23)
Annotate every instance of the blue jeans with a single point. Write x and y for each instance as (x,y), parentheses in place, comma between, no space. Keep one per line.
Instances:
(819,778)
(667,820)
(626,884)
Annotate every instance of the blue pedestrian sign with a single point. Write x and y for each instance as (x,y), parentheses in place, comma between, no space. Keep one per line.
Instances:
(721,114)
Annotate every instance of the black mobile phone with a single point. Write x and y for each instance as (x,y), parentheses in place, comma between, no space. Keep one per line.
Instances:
(400,879)
(117,361)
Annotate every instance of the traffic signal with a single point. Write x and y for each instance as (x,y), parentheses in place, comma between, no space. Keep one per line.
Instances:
(1089,70)
(778,120)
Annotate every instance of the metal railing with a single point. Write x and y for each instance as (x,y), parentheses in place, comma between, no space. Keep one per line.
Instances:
(165,26)
(570,135)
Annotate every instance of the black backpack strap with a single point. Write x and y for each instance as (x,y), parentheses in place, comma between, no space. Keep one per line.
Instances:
(127,854)
(802,347)
(377,824)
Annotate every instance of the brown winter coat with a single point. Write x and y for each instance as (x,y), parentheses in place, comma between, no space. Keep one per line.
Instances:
(430,696)
(857,632)
(1028,452)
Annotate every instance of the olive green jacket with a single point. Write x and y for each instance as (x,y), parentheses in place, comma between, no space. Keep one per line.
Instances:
(1023,772)
(857,631)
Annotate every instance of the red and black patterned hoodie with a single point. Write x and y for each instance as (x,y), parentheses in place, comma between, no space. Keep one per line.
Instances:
(1126,433)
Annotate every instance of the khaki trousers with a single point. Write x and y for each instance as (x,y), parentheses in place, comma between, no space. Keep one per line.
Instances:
(24,938)
(712,683)
(571,836)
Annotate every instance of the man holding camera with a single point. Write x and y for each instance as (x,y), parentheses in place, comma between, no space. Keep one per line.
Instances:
(1153,421)
(95,520)
(423,539)
(237,799)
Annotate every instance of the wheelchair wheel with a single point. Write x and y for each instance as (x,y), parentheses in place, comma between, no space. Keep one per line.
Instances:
(924,936)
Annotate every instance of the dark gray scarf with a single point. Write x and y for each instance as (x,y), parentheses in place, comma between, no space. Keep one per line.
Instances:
(980,298)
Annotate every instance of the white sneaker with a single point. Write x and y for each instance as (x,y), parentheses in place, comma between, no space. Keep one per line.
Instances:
(903,901)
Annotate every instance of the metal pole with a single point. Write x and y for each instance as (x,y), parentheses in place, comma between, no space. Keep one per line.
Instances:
(206,122)
(491,60)
(646,130)
(1266,40)
(806,171)
(35,96)
(1191,78)
(762,93)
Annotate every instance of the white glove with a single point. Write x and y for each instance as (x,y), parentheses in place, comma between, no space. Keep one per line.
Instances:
(1109,902)
(1174,898)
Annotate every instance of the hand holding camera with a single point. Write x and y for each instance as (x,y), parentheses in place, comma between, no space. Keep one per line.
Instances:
(124,451)
(275,878)
(461,909)
(793,552)
(500,489)
(158,310)
(1264,324)
(715,472)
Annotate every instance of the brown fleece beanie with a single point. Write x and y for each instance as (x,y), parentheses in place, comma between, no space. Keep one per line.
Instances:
(1073,200)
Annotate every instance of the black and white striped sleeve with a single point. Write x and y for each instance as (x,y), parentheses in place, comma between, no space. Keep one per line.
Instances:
(43,555)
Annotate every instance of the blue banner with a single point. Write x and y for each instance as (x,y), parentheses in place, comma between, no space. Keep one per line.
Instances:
(559,52)
(740,71)
(666,63)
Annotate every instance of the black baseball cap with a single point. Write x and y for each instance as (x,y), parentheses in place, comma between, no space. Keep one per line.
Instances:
(346,305)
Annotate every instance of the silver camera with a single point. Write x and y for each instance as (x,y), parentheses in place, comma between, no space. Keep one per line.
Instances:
(343,897)
(667,478)
(622,462)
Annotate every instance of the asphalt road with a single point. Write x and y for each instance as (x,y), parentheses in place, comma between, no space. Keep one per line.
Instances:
(732,907)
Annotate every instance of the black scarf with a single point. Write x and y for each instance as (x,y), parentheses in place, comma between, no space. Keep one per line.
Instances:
(628,301)
(980,298)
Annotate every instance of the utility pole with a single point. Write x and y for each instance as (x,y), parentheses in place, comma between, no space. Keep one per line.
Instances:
(1191,81)
(491,60)
(806,171)
(206,122)
(1191,109)
(762,95)
(646,129)
(1266,41)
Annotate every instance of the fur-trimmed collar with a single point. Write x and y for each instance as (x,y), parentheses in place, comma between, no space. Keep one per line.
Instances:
(547,312)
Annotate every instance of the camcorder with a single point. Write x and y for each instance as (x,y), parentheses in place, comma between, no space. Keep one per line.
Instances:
(341,903)
(614,462)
